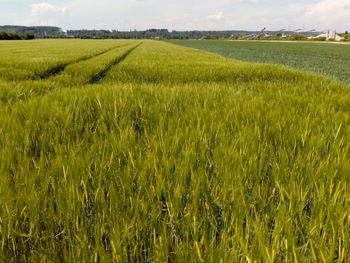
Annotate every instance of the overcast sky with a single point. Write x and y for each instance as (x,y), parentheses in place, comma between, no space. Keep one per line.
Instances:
(179,14)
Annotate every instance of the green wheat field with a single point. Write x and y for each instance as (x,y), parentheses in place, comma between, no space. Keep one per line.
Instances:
(144,151)
(329,59)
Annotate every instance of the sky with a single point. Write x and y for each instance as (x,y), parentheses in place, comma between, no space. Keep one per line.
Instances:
(179,14)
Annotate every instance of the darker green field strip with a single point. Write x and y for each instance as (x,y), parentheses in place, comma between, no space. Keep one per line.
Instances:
(330,60)
(60,68)
(142,67)
(99,77)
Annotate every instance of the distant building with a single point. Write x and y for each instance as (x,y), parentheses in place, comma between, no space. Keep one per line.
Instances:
(330,35)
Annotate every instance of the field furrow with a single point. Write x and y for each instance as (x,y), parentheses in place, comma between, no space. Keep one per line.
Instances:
(86,71)
(100,75)
(75,74)
(30,62)
(58,69)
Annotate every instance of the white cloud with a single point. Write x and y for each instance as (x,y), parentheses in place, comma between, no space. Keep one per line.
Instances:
(329,6)
(44,8)
(179,14)
(46,14)
(217,17)
(328,14)
(250,1)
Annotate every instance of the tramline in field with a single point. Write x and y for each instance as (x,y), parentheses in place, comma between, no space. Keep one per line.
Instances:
(144,151)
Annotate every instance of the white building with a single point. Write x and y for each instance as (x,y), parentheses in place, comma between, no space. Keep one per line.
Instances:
(330,35)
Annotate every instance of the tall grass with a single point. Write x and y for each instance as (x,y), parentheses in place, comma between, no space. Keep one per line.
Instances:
(238,163)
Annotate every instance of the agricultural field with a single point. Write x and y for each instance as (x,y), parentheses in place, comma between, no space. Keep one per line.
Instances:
(329,59)
(145,151)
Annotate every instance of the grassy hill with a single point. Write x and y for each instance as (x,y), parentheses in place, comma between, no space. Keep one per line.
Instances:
(130,151)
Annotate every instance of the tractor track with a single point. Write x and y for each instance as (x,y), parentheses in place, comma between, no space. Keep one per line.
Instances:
(93,80)
(58,69)
(101,75)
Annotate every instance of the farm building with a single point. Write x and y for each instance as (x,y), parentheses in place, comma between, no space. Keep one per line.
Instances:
(330,35)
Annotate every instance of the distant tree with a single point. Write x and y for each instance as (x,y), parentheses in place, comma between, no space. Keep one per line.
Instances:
(319,39)
(38,31)
(15,36)
(4,36)
(29,36)
(296,37)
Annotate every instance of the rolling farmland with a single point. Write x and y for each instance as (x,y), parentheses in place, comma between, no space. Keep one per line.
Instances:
(144,151)
(328,59)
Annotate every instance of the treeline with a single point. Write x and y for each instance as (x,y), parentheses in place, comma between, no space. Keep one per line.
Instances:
(37,31)
(56,32)
(16,36)
(346,35)
(151,33)
(166,34)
